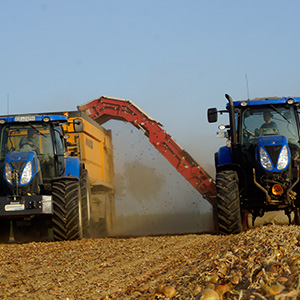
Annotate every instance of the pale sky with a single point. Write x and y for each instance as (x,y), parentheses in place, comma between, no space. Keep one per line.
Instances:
(173,58)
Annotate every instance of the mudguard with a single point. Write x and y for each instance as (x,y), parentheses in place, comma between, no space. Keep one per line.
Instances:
(223,156)
(72,167)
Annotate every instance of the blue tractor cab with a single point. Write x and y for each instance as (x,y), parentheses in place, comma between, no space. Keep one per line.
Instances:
(40,182)
(258,169)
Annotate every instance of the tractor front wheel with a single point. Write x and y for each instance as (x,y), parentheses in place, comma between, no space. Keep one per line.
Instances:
(228,202)
(67,214)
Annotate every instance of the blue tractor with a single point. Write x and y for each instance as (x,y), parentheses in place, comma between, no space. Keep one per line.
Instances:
(43,190)
(258,169)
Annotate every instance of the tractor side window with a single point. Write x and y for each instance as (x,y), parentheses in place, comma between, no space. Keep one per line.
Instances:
(4,142)
(46,155)
(59,149)
(4,148)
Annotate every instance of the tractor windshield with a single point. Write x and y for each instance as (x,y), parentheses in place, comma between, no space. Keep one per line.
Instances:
(21,137)
(269,120)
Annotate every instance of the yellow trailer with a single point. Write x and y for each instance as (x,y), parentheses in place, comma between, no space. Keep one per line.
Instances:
(92,144)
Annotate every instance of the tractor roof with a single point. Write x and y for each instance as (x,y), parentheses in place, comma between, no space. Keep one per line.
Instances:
(265,101)
(33,118)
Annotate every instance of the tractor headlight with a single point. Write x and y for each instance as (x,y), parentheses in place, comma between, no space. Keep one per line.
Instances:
(264,159)
(283,159)
(8,173)
(26,174)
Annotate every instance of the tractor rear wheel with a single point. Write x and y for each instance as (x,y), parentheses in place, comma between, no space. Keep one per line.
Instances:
(228,202)
(67,215)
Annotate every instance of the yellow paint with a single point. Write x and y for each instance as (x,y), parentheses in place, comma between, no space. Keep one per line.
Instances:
(95,150)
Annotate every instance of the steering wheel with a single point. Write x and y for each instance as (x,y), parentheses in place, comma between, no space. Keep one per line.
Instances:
(268,131)
(33,148)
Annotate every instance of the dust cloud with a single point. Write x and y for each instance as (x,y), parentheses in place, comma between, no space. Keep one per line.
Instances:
(151,196)
(143,184)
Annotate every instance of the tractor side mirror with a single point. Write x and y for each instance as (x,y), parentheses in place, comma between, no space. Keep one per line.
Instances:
(212,115)
(78,125)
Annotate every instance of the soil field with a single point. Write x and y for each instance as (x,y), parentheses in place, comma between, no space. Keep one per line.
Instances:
(262,263)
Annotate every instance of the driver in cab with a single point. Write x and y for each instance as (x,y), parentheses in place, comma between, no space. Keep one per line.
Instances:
(267,127)
(27,143)
(268,123)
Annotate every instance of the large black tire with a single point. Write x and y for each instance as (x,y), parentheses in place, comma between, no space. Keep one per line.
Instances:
(4,231)
(67,217)
(228,202)
(85,190)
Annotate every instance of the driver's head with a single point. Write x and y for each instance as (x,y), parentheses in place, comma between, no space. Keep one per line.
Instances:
(31,133)
(267,116)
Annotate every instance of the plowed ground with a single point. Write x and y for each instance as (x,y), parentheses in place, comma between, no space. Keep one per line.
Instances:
(262,263)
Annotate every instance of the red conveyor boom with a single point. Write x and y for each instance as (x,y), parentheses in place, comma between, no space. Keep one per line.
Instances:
(106,108)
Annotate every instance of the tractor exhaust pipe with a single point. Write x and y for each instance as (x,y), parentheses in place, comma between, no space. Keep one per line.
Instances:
(234,144)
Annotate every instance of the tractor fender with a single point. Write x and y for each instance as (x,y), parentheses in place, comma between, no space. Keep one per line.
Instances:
(228,167)
(223,157)
(73,167)
(223,161)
